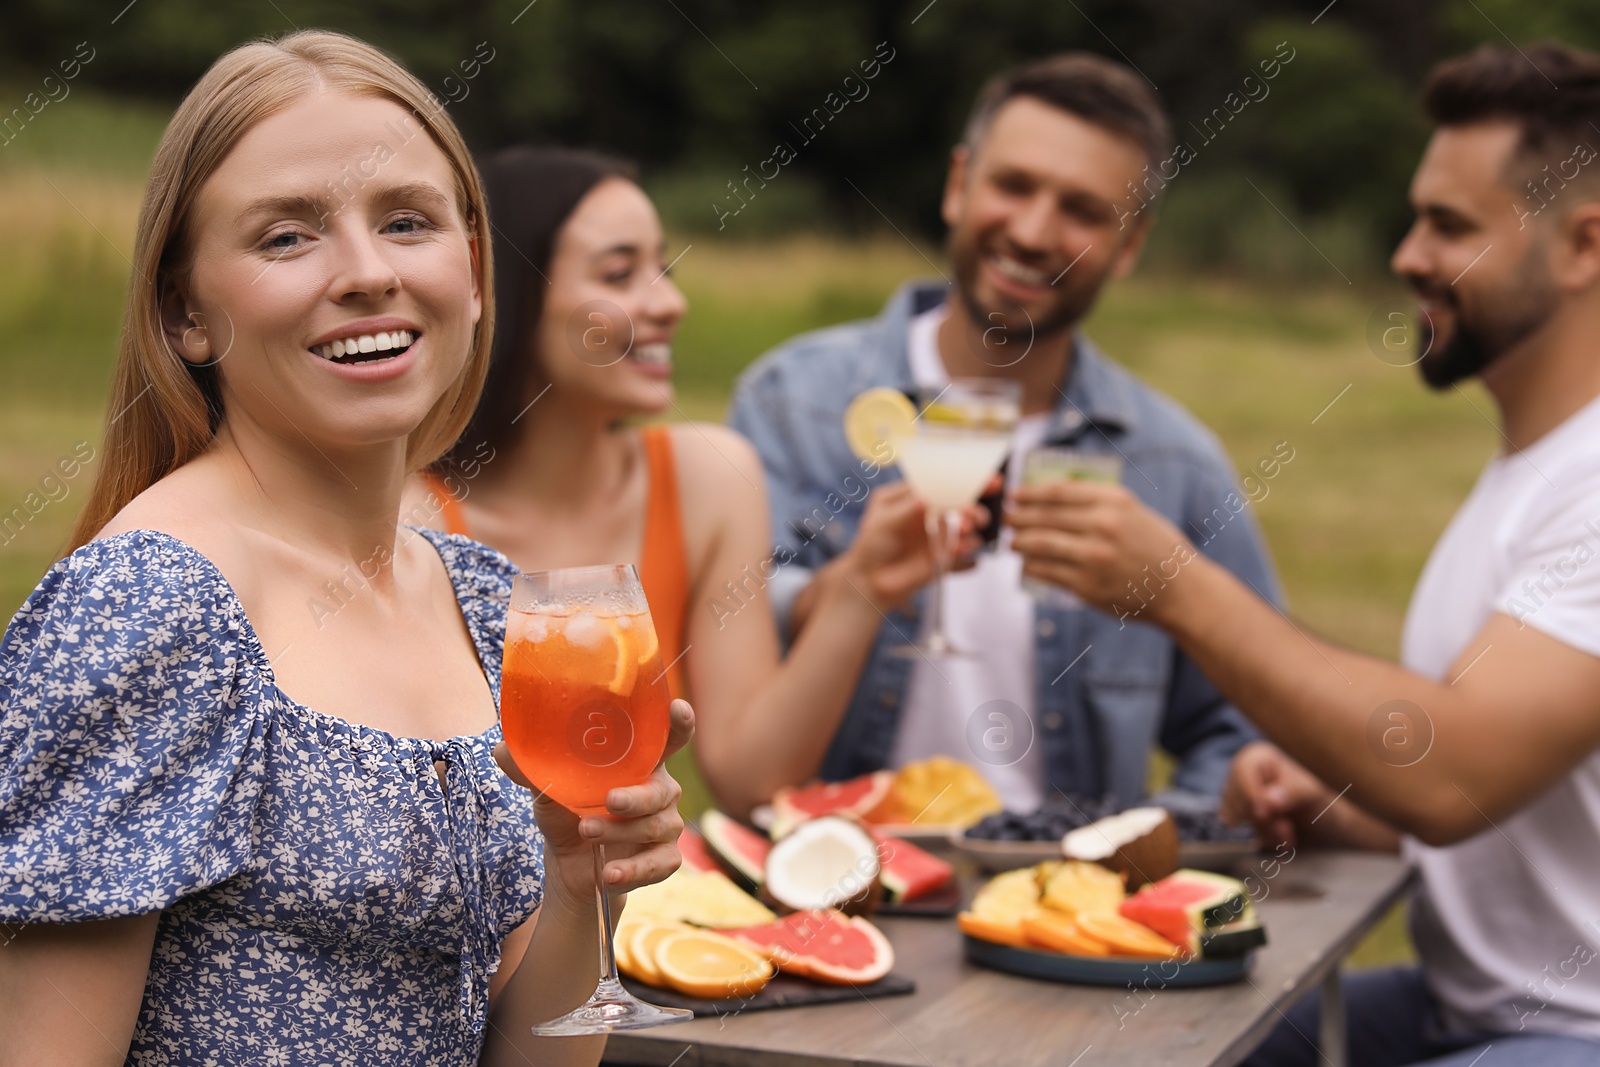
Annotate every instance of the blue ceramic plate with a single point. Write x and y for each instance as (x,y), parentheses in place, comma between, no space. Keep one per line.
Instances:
(1091,970)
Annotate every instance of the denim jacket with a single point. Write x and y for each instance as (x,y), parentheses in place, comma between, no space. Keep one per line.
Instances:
(1106,690)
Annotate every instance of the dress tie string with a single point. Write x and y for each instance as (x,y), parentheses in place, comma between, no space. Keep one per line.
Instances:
(467,813)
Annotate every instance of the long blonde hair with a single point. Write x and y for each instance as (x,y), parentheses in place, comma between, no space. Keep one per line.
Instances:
(163,411)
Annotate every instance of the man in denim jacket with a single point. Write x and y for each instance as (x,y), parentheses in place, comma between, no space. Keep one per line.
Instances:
(1046,200)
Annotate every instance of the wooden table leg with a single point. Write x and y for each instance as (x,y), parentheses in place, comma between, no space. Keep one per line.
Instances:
(1331,1022)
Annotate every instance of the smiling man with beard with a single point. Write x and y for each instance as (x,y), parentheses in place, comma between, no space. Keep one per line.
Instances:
(1055,700)
(1479,756)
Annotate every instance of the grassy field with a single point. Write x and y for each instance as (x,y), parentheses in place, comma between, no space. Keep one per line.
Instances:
(1374,477)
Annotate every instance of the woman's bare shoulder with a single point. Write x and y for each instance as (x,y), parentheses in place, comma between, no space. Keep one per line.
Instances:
(189,504)
(709,455)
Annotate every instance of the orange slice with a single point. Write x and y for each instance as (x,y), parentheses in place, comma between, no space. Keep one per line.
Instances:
(1059,933)
(878,417)
(626,927)
(642,944)
(645,642)
(700,963)
(996,930)
(1124,937)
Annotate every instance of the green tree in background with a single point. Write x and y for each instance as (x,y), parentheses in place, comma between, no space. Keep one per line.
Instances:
(701,90)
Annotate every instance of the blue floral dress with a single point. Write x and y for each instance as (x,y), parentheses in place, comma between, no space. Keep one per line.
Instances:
(324,898)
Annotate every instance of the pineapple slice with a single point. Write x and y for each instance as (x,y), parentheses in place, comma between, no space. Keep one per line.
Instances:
(1077,887)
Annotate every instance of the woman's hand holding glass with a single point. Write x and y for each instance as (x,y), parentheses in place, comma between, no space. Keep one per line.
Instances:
(640,831)
(892,555)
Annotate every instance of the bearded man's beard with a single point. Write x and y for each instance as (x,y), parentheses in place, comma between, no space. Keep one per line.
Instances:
(1006,324)
(1487,331)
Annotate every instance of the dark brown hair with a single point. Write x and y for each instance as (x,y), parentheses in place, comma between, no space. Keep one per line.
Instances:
(532,192)
(1091,87)
(1550,90)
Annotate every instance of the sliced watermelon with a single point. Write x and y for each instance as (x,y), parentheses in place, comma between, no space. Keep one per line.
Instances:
(825,946)
(1188,905)
(908,871)
(696,856)
(854,799)
(737,849)
(1235,939)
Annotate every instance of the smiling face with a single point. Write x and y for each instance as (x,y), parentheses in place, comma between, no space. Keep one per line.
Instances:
(1480,270)
(1034,217)
(332,224)
(610,312)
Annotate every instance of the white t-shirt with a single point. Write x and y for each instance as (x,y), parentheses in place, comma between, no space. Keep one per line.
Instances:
(1507,922)
(986,612)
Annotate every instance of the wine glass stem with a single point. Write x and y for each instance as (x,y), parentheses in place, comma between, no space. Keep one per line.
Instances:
(938,534)
(608,954)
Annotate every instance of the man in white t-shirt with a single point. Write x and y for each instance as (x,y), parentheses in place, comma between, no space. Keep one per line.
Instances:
(1480,757)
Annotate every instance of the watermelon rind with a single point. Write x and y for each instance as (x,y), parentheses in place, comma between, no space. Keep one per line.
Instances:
(739,850)
(1235,939)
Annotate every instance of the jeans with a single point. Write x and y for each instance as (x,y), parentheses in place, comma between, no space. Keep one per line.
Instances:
(1392,1021)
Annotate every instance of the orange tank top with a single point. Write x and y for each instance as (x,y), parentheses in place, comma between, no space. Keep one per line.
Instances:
(663,559)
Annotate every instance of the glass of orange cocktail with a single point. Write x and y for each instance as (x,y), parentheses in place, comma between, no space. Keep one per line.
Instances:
(583,707)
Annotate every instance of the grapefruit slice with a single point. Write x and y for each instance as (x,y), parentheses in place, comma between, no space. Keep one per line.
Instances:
(699,963)
(854,798)
(879,419)
(825,946)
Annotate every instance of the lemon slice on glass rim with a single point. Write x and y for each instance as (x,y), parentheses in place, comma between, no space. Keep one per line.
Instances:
(880,416)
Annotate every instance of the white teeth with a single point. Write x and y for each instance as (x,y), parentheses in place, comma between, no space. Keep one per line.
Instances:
(1012,269)
(370,342)
(658,353)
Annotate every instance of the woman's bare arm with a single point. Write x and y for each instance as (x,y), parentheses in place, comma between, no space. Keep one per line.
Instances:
(766,724)
(70,992)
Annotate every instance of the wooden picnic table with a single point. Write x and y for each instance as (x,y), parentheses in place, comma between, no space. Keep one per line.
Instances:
(1316,907)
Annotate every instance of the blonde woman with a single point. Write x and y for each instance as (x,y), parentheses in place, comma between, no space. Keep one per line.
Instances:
(250,809)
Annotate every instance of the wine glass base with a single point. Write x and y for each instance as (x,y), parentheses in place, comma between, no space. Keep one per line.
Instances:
(608,1012)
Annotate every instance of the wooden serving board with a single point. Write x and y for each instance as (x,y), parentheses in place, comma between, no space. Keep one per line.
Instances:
(784,991)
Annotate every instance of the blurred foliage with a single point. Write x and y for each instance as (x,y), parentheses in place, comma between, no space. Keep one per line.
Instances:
(700,90)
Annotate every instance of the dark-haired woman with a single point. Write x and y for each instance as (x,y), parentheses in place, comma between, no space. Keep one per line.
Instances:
(554,472)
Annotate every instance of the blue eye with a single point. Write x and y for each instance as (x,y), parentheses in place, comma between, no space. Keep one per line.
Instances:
(417,224)
(276,243)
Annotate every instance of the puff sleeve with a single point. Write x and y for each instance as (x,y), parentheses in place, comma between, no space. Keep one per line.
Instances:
(130,755)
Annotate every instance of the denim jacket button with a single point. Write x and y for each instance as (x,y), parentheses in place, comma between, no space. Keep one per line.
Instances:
(888,698)
(1052,720)
(1047,628)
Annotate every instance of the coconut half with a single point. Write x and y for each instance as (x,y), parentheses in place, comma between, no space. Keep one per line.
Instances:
(828,862)
(1141,844)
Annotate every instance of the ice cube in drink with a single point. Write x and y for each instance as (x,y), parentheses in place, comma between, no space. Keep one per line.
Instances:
(583,703)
